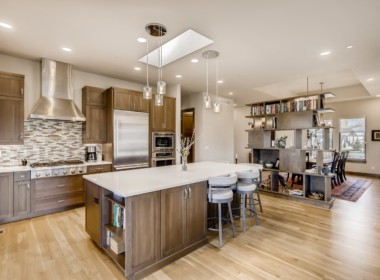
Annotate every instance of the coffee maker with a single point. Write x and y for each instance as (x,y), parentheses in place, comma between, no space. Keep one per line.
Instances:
(90,153)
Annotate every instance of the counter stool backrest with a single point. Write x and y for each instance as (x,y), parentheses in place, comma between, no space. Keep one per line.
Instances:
(248,176)
(222,181)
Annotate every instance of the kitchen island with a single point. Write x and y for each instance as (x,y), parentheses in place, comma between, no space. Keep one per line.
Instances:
(147,218)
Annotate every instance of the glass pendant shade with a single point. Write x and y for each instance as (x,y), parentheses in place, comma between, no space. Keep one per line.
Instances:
(159,100)
(147,92)
(217,106)
(207,101)
(161,87)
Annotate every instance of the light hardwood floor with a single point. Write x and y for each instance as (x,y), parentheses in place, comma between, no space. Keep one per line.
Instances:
(293,241)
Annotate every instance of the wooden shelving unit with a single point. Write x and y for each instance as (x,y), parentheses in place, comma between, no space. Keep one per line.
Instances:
(291,114)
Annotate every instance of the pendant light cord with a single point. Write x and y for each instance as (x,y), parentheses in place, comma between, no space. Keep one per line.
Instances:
(147,63)
(207,74)
(217,76)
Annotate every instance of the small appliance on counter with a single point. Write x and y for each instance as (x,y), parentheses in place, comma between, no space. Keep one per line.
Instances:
(90,153)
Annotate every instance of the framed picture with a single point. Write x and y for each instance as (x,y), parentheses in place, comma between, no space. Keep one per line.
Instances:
(375,135)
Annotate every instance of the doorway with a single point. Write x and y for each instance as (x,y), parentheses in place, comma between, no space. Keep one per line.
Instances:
(187,127)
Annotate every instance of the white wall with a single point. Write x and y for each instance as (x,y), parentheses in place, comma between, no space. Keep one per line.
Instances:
(214,131)
(241,124)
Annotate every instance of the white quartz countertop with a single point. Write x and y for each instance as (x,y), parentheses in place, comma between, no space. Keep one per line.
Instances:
(133,182)
(17,168)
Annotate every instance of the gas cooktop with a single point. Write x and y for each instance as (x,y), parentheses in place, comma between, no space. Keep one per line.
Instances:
(56,163)
(57,168)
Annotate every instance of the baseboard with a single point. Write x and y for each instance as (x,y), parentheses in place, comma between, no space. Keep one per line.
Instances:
(362,174)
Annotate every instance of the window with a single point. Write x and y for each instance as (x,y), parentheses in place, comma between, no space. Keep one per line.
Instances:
(352,138)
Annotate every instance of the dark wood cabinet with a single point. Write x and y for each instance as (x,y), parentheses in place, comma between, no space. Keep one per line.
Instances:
(6,195)
(11,85)
(58,193)
(163,117)
(21,193)
(142,231)
(91,169)
(94,107)
(11,109)
(129,100)
(93,202)
(183,217)
(93,212)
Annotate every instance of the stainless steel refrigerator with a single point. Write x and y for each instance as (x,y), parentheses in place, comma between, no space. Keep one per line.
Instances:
(131,140)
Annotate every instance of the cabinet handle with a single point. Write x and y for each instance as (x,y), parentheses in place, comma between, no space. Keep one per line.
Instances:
(28,187)
(60,186)
(22,91)
(96,200)
(185,191)
(189,192)
(21,136)
(22,176)
(60,201)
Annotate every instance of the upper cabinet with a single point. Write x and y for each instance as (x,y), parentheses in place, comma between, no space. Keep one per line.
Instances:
(11,109)
(163,117)
(129,100)
(94,107)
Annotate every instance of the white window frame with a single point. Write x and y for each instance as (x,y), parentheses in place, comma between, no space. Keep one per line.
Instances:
(350,155)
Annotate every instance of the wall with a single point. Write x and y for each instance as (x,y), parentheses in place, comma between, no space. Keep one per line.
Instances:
(368,108)
(46,141)
(50,130)
(214,131)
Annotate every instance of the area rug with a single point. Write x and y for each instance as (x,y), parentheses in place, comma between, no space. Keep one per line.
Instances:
(351,189)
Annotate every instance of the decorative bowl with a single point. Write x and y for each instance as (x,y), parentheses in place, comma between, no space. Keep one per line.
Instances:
(269,165)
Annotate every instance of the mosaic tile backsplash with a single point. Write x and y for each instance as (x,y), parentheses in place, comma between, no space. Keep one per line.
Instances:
(46,140)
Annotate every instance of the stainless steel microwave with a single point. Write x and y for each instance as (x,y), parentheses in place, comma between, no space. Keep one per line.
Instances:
(163,141)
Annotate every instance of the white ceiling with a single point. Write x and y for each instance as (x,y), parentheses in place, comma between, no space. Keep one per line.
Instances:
(267,47)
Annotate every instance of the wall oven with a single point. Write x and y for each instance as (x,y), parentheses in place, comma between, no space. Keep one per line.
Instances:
(163,158)
(163,141)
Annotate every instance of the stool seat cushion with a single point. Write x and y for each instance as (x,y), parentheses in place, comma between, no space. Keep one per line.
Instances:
(221,194)
(246,187)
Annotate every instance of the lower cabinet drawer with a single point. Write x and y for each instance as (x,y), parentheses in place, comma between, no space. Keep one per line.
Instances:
(58,201)
(47,187)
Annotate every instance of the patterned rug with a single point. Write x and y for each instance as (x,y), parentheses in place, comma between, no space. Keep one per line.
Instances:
(351,189)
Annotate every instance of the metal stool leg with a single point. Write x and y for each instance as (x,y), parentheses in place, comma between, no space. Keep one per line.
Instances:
(220,225)
(244,210)
(254,209)
(258,198)
(232,219)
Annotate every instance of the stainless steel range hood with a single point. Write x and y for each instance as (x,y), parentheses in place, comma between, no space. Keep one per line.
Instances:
(56,102)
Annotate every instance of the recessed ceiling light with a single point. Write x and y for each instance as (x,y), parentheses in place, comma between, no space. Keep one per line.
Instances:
(178,76)
(349,47)
(325,53)
(235,104)
(137,68)
(194,60)
(67,49)
(231,93)
(370,79)
(141,40)
(6,25)
(220,82)
(378,95)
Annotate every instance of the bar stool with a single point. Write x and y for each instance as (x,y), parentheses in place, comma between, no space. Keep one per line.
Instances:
(246,186)
(220,191)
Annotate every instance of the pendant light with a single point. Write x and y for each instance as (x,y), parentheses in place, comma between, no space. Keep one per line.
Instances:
(147,90)
(161,85)
(158,30)
(210,54)
(217,101)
